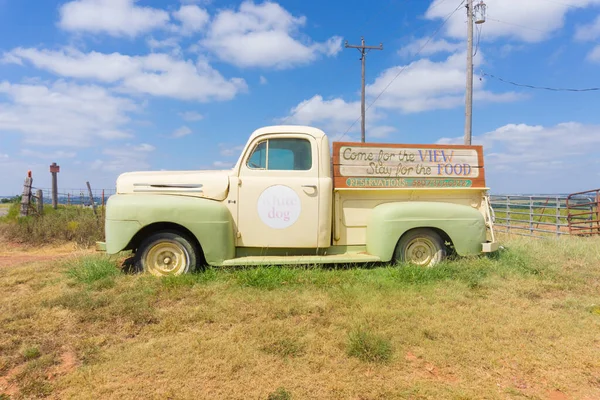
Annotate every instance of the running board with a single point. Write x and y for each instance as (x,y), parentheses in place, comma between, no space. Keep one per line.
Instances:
(346,258)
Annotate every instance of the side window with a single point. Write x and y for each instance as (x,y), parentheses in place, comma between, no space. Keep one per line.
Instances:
(258,159)
(282,154)
(289,154)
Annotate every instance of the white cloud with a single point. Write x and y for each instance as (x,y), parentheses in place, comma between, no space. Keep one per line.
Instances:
(263,80)
(171,44)
(191,116)
(263,35)
(56,155)
(126,158)
(230,151)
(331,115)
(589,31)
(427,85)
(380,132)
(192,18)
(223,164)
(153,74)
(181,132)
(114,17)
(338,118)
(63,114)
(529,21)
(560,153)
(594,55)
(427,49)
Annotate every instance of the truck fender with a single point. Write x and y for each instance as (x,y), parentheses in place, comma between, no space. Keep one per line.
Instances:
(130,216)
(462,224)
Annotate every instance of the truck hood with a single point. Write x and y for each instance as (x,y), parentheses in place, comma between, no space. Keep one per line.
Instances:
(207,184)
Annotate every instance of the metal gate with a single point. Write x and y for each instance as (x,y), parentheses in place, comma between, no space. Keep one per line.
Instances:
(583,215)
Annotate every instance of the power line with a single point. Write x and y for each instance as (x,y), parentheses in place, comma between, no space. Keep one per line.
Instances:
(363,25)
(406,66)
(541,87)
(517,25)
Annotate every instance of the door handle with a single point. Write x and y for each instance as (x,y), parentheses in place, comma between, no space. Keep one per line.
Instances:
(310,186)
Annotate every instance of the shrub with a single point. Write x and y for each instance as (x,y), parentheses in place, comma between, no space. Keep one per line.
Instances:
(65,224)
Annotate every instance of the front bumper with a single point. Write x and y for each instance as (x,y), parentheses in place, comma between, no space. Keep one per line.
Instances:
(489,247)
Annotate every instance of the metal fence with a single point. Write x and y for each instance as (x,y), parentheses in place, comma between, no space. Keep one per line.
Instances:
(77,197)
(543,216)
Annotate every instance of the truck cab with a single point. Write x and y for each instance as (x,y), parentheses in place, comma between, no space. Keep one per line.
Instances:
(291,199)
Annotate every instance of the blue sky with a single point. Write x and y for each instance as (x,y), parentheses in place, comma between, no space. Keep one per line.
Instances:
(108,86)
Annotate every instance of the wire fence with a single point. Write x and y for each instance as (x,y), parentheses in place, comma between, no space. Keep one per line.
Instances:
(543,216)
(77,197)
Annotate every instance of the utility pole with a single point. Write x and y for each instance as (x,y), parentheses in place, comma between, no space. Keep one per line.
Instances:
(469,92)
(475,15)
(363,52)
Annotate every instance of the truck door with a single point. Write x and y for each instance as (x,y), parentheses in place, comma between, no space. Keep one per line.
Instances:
(278,198)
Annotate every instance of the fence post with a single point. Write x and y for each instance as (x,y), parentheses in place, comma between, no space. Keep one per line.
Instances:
(54,169)
(26,197)
(531,215)
(557,217)
(508,213)
(91,197)
(102,197)
(40,201)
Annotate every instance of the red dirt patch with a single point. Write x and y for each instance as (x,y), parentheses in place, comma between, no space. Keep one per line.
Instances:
(6,385)
(13,254)
(557,395)
(68,362)
(14,260)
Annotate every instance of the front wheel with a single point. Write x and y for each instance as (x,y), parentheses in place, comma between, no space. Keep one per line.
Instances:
(166,253)
(422,247)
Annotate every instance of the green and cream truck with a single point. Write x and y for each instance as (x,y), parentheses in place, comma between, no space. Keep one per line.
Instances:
(291,199)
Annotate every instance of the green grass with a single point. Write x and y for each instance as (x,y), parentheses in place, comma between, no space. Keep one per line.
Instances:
(280,394)
(29,353)
(65,224)
(98,271)
(520,323)
(368,346)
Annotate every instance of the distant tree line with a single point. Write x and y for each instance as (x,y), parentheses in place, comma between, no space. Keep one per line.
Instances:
(16,199)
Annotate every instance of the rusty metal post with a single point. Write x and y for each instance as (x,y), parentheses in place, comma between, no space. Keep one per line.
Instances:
(102,197)
(598,211)
(54,169)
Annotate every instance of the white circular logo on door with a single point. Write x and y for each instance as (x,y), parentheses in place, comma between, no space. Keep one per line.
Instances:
(279,206)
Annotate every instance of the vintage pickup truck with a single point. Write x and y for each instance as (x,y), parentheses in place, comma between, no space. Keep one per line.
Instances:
(288,200)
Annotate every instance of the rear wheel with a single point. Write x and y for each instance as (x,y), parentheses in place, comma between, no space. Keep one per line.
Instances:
(423,247)
(166,253)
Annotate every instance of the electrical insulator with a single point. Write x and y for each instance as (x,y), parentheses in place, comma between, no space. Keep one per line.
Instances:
(479,12)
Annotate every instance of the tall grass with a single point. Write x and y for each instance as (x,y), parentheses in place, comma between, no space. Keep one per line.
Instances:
(65,224)
(522,323)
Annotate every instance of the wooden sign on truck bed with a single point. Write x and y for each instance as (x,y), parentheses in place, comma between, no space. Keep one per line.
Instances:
(371,165)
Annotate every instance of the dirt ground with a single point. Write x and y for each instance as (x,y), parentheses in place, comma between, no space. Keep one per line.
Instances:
(12,254)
